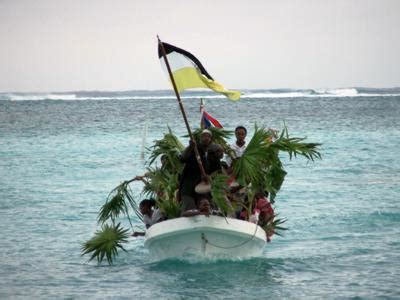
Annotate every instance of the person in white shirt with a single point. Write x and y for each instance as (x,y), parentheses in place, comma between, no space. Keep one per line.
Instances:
(237,191)
(150,215)
(240,145)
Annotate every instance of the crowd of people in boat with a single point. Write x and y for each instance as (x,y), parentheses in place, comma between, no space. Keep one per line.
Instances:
(195,200)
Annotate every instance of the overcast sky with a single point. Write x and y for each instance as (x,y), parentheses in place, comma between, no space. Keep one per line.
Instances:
(50,45)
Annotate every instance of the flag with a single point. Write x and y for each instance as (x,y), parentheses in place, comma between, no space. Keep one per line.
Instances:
(188,72)
(206,119)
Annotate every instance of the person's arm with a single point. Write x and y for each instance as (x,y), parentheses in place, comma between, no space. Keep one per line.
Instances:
(142,178)
(138,233)
(194,212)
(187,152)
(228,161)
(190,213)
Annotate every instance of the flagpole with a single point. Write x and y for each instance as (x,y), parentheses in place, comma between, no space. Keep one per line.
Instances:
(196,151)
(201,113)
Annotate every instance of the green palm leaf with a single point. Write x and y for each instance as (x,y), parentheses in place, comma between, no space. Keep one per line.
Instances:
(275,226)
(274,179)
(162,185)
(170,146)
(219,187)
(260,164)
(161,181)
(250,167)
(169,208)
(106,243)
(295,146)
(118,202)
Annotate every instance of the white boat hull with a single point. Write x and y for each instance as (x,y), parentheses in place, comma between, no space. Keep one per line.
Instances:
(212,236)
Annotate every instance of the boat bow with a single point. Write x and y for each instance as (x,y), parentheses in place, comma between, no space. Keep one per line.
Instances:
(205,236)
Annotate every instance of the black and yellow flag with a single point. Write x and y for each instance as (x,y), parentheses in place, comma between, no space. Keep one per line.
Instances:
(188,72)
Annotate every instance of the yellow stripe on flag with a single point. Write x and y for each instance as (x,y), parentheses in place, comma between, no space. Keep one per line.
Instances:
(187,78)
(219,88)
(190,77)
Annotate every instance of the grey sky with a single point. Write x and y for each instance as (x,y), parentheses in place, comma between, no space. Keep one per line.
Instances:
(50,45)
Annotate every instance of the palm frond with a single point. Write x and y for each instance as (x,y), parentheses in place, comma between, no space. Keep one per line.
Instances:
(219,187)
(249,168)
(169,208)
(170,146)
(161,182)
(106,243)
(112,209)
(275,227)
(162,185)
(275,175)
(117,204)
(260,164)
(295,146)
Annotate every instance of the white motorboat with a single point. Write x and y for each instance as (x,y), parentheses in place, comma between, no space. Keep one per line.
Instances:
(203,236)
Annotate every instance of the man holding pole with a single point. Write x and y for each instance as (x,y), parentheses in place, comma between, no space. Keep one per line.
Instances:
(191,176)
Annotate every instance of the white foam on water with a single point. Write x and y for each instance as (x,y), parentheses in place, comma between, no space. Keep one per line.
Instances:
(246,94)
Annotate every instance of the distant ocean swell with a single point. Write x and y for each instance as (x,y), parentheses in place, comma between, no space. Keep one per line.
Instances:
(167,94)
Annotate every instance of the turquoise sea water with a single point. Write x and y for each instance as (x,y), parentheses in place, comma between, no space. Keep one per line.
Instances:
(61,154)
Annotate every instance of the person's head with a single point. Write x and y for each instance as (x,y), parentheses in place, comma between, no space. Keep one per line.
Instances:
(218,150)
(146,206)
(204,205)
(259,195)
(240,133)
(206,137)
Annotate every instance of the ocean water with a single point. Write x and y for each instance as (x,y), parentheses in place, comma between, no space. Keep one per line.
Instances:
(62,153)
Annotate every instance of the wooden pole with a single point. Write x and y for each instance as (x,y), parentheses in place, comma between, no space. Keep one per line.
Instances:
(202,125)
(196,150)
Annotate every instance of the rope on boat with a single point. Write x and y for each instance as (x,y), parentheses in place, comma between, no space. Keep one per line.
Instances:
(206,241)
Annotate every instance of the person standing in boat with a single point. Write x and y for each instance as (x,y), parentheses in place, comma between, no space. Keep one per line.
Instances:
(210,155)
(239,146)
(238,192)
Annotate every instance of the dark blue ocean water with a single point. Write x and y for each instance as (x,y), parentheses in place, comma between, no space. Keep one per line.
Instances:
(60,157)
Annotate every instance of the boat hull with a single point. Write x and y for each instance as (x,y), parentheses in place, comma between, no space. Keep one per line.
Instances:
(212,236)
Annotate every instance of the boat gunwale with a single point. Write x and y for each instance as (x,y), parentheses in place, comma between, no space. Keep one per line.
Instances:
(204,227)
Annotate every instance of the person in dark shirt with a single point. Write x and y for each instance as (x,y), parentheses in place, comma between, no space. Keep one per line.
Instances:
(191,176)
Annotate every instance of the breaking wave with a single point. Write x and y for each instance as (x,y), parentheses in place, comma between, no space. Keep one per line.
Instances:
(167,94)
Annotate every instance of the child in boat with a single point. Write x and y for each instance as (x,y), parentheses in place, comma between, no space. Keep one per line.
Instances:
(266,212)
(151,214)
(204,208)
(265,208)
(262,212)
